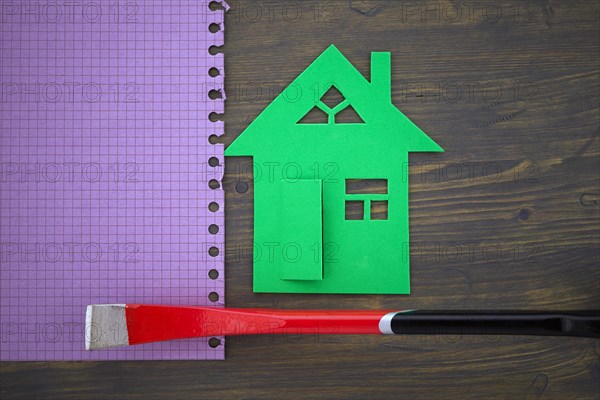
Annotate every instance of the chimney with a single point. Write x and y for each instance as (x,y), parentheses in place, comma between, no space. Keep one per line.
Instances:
(381,75)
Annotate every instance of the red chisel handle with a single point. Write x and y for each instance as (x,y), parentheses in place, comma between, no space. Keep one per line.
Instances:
(151,323)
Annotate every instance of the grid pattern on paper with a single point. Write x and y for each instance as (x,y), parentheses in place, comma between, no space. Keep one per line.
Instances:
(104,170)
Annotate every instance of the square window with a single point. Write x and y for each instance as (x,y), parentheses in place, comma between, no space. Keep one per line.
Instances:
(379,209)
(355,210)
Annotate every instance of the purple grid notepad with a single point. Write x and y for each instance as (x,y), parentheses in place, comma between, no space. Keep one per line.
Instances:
(105,169)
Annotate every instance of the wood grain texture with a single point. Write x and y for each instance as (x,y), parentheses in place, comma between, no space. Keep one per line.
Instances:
(507,218)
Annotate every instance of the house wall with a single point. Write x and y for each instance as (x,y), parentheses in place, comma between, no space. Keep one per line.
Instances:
(358,256)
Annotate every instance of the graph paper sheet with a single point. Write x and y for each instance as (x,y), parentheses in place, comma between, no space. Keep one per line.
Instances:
(107,170)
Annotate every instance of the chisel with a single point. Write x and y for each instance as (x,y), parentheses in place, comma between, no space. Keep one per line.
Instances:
(109,325)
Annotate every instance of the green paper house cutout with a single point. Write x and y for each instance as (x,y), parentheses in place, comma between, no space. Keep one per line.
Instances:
(310,235)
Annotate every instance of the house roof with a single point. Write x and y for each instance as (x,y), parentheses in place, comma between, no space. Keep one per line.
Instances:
(370,99)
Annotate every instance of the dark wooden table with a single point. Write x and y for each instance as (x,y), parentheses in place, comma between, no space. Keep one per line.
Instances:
(507,218)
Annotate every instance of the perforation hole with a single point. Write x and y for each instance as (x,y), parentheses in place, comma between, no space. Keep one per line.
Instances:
(215,94)
(213,184)
(213,229)
(214,117)
(213,139)
(213,207)
(215,6)
(214,50)
(214,342)
(213,72)
(214,28)
(213,296)
(213,162)
(213,274)
(213,251)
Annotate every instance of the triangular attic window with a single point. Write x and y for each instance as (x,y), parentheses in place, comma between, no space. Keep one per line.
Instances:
(314,116)
(348,116)
(332,108)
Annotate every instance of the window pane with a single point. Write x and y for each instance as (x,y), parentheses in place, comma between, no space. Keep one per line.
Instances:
(379,209)
(355,210)
(366,186)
